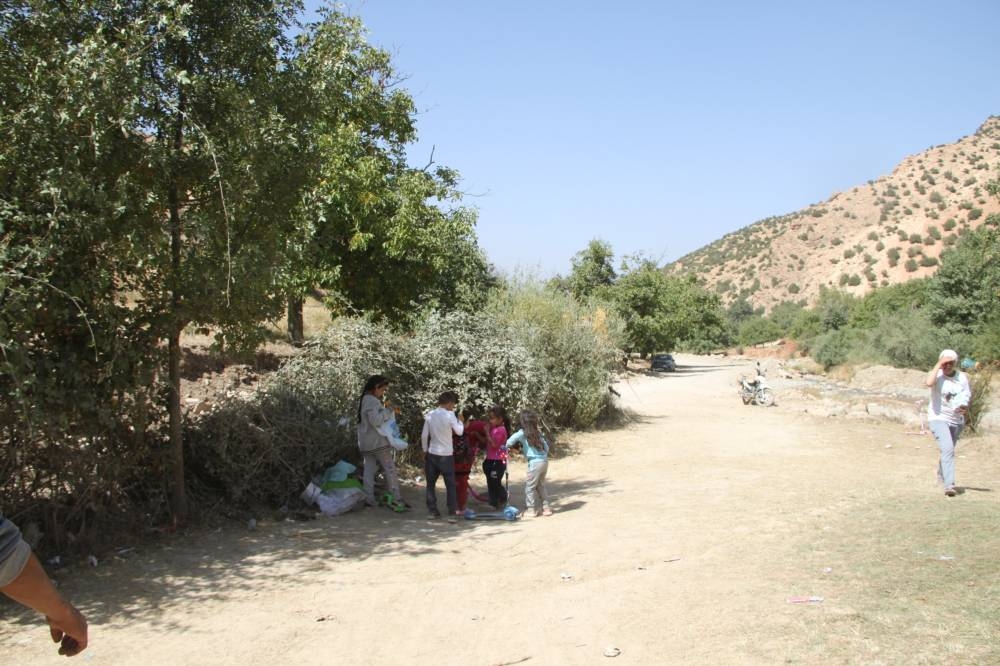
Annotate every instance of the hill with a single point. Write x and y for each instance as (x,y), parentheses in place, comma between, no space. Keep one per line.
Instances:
(889,230)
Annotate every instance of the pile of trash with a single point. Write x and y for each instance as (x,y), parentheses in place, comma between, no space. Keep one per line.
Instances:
(337,491)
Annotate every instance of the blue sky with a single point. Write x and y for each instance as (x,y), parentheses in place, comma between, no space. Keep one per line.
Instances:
(661,126)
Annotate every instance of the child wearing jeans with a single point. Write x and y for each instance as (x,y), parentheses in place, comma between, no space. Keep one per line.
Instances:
(536,451)
(440,426)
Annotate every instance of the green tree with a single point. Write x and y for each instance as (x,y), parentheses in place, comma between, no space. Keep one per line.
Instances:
(375,233)
(879,303)
(966,288)
(661,312)
(785,314)
(740,310)
(641,299)
(592,269)
(756,330)
(145,160)
(834,308)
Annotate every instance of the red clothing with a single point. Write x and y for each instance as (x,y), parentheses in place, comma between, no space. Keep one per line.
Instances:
(475,438)
(461,489)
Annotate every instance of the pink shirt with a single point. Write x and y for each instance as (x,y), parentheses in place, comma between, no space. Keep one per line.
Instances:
(498,439)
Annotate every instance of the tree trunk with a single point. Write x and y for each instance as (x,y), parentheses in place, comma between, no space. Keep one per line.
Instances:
(296,325)
(178,494)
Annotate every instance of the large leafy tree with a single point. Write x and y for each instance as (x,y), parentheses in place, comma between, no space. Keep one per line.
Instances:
(144,184)
(661,311)
(375,233)
(592,269)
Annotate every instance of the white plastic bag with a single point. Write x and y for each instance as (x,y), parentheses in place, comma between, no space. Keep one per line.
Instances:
(390,430)
(310,494)
(340,500)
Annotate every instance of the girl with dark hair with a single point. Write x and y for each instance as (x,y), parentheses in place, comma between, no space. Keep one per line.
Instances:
(536,451)
(374,411)
(495,463)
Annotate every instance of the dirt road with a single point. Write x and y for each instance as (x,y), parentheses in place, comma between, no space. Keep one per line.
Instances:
(679,539)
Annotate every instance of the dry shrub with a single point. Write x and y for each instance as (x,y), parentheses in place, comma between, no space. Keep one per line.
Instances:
(982,387)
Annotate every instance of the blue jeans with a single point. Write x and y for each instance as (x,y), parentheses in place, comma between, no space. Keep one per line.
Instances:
(947,438)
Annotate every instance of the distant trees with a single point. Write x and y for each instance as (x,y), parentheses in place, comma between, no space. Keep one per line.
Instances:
(966,288)
(592,269)
(659,312)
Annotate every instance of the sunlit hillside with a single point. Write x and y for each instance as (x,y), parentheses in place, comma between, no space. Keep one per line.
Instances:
(888,230)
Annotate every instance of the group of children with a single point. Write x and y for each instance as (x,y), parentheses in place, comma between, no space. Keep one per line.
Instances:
(451,445)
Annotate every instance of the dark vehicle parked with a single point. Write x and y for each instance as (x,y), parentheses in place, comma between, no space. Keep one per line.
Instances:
(662,363)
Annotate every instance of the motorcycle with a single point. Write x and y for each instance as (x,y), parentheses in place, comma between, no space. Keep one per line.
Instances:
(758,391)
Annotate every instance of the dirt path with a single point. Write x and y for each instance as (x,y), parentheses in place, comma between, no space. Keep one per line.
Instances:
(679,539)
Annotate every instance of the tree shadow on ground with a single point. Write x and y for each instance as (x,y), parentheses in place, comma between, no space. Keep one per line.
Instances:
(218,565)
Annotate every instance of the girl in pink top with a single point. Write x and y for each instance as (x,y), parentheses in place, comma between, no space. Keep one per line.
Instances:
(496,454)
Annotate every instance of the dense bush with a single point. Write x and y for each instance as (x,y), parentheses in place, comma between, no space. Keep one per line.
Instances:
(528,348)
(757,329)
(575,345)
(905,339)
(833,347)
(985,342)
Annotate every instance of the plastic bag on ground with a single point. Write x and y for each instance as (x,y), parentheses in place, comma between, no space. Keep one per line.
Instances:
(337,502)
(338,472)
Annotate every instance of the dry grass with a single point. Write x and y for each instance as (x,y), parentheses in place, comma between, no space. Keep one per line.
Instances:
(907,577)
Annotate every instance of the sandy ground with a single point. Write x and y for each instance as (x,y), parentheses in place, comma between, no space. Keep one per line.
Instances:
(676,540)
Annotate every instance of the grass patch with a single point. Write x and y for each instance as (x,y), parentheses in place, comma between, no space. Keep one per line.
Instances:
(892,596)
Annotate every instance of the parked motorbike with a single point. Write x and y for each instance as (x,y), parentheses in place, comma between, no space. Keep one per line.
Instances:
(758,391)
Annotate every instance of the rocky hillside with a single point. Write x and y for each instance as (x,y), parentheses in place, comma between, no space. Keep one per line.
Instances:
(886,231)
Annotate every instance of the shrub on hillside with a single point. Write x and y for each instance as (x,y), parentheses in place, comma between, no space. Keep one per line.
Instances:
(757,329)
(906,339)
(833,347)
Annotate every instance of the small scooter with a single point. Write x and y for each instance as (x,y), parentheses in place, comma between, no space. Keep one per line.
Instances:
(508,513)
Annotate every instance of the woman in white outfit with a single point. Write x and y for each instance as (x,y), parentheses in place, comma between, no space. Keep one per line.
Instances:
(950,397)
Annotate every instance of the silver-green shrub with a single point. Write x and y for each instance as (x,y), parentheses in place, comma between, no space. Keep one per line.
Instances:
(575,345)
(527,348)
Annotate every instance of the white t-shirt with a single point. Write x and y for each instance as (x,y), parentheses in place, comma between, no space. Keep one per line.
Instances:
(439,424)
(947,395)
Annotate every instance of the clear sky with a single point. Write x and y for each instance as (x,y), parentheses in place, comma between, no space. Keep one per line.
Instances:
(662,126)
